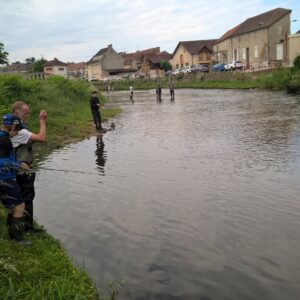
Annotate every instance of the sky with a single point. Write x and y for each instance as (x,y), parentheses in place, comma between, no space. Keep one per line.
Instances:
(75,30)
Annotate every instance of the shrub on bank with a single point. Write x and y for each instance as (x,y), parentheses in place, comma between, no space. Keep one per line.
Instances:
(66,101)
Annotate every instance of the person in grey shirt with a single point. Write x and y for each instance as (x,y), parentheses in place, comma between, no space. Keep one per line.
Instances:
(22,144)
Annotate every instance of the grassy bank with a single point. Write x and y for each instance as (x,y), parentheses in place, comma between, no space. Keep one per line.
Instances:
(44,271)
(66,101)
(278,79)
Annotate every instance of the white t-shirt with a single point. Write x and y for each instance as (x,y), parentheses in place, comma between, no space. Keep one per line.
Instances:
(21,138)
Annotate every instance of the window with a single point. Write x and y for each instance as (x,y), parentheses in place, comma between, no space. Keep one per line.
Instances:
(235,55)
(48,69)
(187,64)
(255,51)
(177,66)
(244,53)
(61,69)
(279,52)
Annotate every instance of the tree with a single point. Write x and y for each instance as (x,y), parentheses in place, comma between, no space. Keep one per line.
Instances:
(38,65)
(297,62)
(166,66)
(30,60)
(3,55)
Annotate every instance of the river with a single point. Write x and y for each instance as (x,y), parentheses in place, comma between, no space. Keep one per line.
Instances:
(196,198)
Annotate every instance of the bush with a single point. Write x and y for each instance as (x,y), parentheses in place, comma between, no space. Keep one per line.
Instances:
(297,62)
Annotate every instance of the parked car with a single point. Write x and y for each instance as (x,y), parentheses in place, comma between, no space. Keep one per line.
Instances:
(234,65)
(93,78)
(168,73)
(176,72)
(238,65)
(219,67)
(189,69)
(202,68)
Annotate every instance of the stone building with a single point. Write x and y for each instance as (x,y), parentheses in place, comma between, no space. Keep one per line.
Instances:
(258,42)
(192,53)
(104,63)
(294,47)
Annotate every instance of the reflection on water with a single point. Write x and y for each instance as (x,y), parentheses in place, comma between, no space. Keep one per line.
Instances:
(100,154)
(194,199)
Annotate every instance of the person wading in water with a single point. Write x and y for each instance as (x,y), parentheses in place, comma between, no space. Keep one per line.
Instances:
(95,109)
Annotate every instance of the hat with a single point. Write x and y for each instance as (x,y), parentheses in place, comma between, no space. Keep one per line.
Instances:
(10,119)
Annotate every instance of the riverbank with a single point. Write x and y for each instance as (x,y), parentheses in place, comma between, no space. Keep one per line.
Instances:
(44,270)
(276,79)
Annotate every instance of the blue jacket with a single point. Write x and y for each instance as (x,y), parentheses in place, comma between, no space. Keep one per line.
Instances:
(8,164)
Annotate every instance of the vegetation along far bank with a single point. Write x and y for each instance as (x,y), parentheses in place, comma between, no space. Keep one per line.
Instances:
(276,79)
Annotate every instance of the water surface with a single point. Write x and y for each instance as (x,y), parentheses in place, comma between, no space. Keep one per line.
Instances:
(192,199)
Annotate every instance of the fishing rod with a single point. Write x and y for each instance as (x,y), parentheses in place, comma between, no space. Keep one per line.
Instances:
(63,170)
(31,171)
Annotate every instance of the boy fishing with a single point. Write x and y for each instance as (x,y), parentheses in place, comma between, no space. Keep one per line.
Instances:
(10,192)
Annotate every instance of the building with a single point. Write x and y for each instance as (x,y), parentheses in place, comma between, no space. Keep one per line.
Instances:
(104,63)
(16,68)
(294,47)
(260,41)
(189,53)
(146,62)
(76,70)
(55,67)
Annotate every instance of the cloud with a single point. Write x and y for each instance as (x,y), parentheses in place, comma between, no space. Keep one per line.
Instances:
(74,30)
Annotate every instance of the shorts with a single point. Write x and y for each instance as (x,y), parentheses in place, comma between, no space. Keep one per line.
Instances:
(26,184)
(10,193)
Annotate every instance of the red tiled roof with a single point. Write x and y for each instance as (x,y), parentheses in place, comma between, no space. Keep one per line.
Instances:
(76,66)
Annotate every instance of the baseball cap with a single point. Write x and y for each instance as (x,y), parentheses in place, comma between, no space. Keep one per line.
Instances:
(10,119)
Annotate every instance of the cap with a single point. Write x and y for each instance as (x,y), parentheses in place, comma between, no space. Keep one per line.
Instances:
(10,119)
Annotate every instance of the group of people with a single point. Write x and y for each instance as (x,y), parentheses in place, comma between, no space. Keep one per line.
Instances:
(157,91)
(171,88)
(16,177)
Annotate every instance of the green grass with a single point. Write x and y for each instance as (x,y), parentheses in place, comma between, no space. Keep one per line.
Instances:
(66,101)
(41,271)
(44,270)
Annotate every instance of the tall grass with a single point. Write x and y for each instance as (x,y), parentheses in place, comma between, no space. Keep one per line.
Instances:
(66,101)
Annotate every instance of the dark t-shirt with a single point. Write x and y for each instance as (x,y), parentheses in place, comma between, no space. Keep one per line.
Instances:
(94,103)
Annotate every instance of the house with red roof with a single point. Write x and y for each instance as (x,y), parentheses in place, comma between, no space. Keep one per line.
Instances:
(76,70)
(147,62)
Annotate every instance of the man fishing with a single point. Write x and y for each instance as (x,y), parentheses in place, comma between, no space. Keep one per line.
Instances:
(22,144)
(95,109)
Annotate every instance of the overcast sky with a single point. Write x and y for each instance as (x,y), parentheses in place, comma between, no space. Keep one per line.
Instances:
(74,30)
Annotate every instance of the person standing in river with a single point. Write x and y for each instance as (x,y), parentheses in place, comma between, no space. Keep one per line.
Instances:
(171,88)
(95,109)
(22,144)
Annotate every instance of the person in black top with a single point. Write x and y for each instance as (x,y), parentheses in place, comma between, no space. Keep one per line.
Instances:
(95,109)
(158,93)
